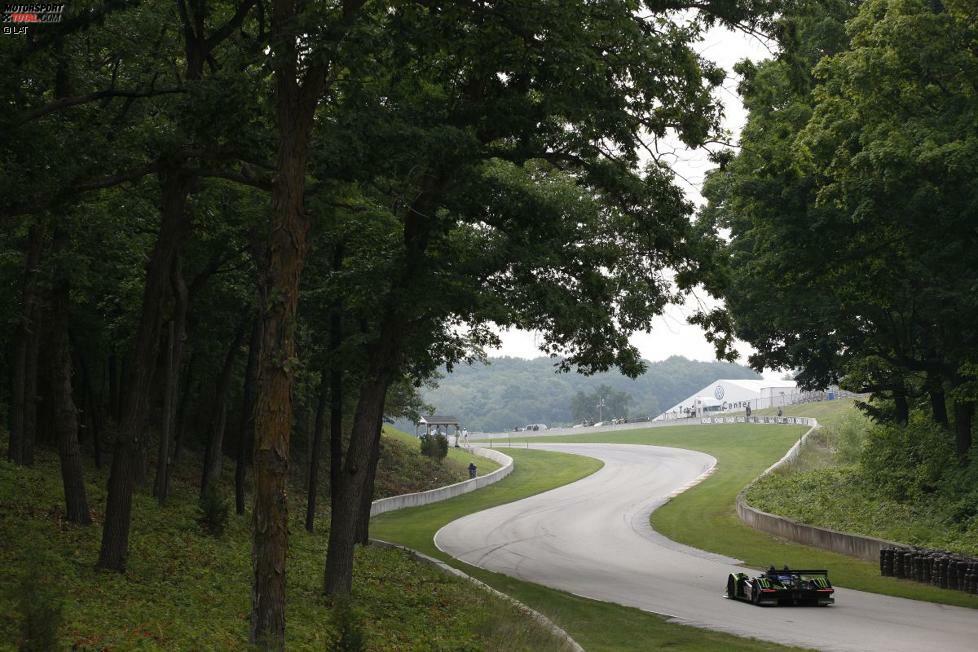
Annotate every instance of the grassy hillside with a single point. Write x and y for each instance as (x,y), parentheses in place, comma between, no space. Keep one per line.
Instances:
(856,478)
(187,590)
(402,469)
(510,392)
(828,413)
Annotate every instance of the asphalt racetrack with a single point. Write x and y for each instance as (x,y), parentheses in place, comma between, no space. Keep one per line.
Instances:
(593,538)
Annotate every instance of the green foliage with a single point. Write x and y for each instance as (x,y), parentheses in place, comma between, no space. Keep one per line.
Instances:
(851,201)
(907,462)
(349,635)
(849,437)
(213,510)
(898,483)
(434,446)
(40,605)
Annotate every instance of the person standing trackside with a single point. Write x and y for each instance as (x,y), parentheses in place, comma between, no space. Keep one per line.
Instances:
(748,410)
(472,470)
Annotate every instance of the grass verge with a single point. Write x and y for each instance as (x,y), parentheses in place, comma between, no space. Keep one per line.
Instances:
(598,626)
(705,516)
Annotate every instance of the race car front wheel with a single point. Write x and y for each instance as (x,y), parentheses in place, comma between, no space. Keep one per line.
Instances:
(731,587)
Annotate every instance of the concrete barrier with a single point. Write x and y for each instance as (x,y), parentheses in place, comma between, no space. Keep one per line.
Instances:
(444,493)
(855,545)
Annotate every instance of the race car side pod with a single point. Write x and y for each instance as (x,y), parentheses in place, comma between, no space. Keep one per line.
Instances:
(940,568)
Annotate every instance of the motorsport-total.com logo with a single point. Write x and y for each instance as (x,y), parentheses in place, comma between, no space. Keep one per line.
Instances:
(18,17)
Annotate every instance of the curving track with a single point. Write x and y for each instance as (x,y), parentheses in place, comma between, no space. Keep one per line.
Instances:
(592,538)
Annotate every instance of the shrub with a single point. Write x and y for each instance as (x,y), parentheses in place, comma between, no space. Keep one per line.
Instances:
(906,462)
(850,437)
(212,512)
(434,446)
(348,623)
(40,606)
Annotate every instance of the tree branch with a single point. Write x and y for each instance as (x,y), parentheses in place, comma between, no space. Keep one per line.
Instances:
(233,23)
(42,202)
(245,177)
(67,102)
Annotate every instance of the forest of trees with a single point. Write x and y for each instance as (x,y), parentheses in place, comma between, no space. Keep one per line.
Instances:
(247,231)
(511,392)
(250,228)
(851,208)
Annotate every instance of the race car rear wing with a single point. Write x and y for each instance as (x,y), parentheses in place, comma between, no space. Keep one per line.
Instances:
(793,575)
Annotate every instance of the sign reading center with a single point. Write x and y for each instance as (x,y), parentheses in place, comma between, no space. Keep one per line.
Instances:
(718,392)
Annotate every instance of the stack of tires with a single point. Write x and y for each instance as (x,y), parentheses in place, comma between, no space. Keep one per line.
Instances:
(944,569)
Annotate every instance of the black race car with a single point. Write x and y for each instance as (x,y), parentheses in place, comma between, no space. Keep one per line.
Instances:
(779,587)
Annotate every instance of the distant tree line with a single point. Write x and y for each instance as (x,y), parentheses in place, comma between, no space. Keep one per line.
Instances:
(851,207)
(249,228)
(512,392)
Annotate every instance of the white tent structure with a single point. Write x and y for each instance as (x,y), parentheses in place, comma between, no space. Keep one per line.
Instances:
(724,395)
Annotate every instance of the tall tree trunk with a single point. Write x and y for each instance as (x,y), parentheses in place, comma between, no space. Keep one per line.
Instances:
(183,410)
(273,406)
(964,412)
(92,410)
(366,500)
(23,396)
(174,229)
(316,453)
(333,384)
(65,416)
(901,406)
(938,400)
(215,448)
(346,500)
(383,357)
(114,373)
(246,429)
(176,339)
(163,452)
(31,397)
(335,422)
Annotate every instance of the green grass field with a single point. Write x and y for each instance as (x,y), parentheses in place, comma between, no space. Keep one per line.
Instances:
(598,626)
(705,517)
(828,413)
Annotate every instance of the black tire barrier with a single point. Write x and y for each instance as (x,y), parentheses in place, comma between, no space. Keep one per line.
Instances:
(938,567)
(886,562)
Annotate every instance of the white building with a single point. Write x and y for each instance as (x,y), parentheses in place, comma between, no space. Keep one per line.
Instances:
(726,395)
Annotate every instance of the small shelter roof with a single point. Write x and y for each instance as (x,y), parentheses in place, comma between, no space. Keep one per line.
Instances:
(438,420)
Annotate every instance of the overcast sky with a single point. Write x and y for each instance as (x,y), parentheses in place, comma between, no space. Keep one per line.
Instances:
(671,334)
